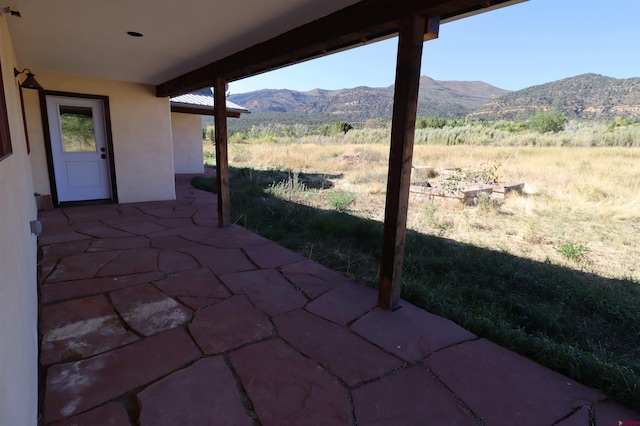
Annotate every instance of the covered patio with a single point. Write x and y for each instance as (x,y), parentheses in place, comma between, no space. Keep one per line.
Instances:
(150,314)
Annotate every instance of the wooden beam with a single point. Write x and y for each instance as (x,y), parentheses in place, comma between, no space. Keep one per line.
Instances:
(201,111)
(222,157)
(360,23)
(431,29)
(405,107)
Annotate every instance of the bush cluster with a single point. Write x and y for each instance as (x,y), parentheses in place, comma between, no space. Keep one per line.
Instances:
(545,128)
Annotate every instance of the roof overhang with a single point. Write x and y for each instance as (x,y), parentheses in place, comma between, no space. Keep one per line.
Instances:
(358,24)
(90,38)
(189,44)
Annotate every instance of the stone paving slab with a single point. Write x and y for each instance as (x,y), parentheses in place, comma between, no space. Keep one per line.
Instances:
(409,397)
(79,266)
(112,414)
(271,255)
(200,282)
(337,349)
(228,325)
(267,289)
(171,261)
(169,232)
(52,254)
(197,303)
(79,288)
(132,261)
(293,390)
(345,303)
(80,328)
(610,412)
(311,278)
(204,393)
(121,243)
(57,251)
(309,267)
(221,261)
(102,231)
(174,222)
(84,214)
(410,332)
(137,227)
(148,310)
(504,387)
(171,212)
(75,387)
(206,200)
(61,237)
(172,242)
(231,237)
(54,218)
(578,418)
(127,211)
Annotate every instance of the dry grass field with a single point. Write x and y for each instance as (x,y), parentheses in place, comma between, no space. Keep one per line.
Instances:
(553,273)
(580,207)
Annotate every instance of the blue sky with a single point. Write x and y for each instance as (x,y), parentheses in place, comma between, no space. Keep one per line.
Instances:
(523,45)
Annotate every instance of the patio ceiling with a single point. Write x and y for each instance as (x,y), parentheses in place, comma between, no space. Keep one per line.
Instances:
(90,37)
(181,37)
(363,22)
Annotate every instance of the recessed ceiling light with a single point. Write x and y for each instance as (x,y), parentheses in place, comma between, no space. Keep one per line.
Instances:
(134,34)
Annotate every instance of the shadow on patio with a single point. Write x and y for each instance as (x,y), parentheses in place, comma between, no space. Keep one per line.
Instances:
(152,315)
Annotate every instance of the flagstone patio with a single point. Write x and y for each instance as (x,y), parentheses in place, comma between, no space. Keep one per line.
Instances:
(152,315)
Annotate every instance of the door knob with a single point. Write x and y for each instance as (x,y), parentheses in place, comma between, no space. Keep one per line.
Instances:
(103,156)
(103,149)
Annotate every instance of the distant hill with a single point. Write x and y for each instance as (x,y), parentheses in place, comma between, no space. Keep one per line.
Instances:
(586,96)
(449,99)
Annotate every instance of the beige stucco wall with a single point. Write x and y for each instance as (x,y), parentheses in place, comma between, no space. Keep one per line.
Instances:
(18,296)
(187,143)
(141,129)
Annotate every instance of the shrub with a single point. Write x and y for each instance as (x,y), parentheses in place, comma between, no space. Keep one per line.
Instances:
(341,200)
(344,127)
(204,183)
(573,251)
(291,189)
(485,203)
(532,233)
(551,120)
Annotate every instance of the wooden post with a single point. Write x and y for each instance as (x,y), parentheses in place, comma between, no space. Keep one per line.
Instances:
(405,107)
(222,157)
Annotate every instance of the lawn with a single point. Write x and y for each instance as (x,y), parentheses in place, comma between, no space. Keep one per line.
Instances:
(552,273)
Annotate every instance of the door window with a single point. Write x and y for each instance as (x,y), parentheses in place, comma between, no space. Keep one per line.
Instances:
(78,134)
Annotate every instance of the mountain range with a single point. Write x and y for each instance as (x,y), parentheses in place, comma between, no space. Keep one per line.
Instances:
(586,96)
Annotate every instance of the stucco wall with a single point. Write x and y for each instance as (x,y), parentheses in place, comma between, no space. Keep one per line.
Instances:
(18,296)
(141,129)
(187,143)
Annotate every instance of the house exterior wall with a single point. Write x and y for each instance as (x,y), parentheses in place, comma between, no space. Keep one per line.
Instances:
(141,131)
(18,295)
(187,143)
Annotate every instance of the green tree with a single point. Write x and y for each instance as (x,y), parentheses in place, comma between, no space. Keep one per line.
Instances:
(344,127)
(436,122)
(550,120)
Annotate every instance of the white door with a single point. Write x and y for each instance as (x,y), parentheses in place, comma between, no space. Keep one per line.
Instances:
(79,148)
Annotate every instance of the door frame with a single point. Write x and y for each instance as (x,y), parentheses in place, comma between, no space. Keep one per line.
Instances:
(47,144)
